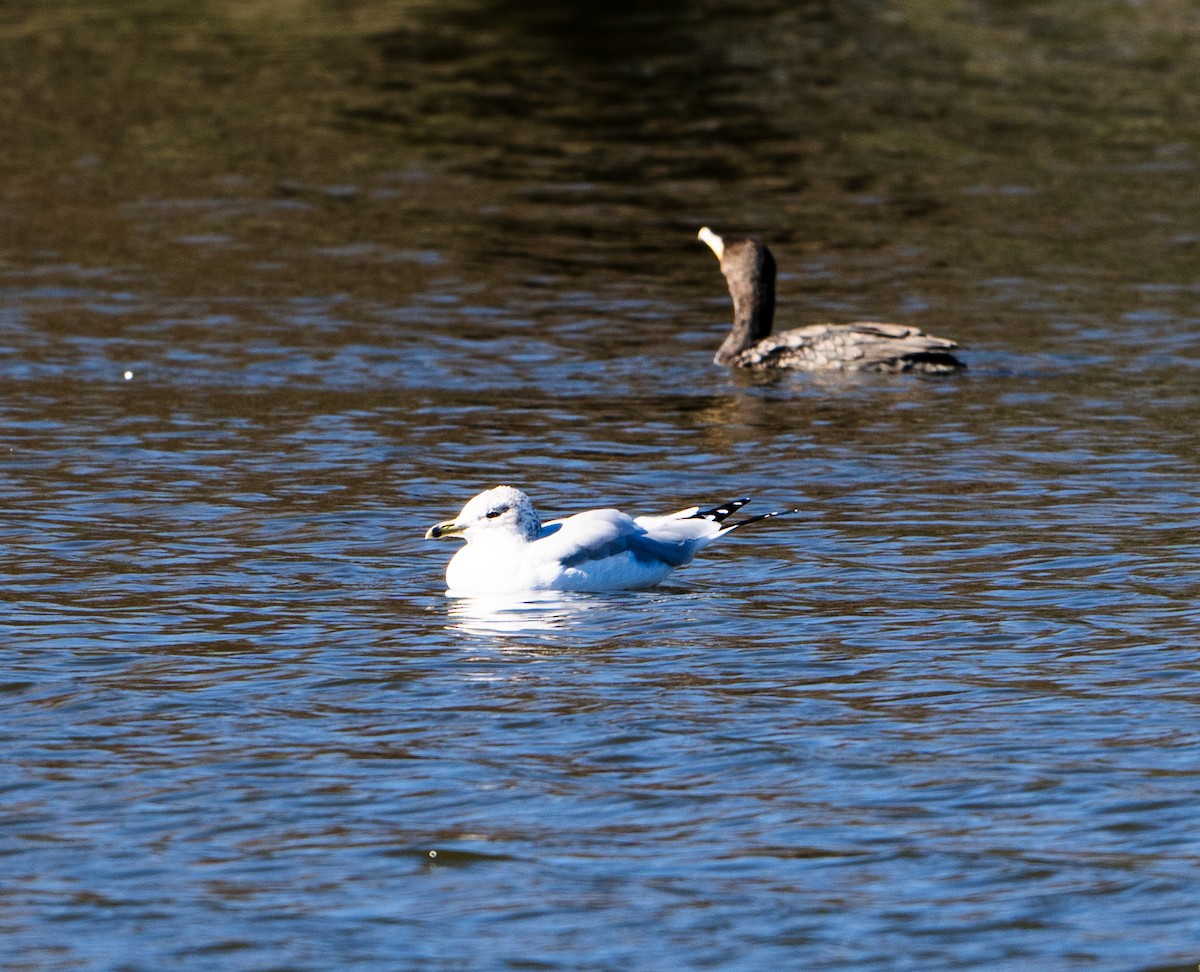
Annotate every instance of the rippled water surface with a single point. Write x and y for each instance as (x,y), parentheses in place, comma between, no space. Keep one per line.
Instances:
(282,285)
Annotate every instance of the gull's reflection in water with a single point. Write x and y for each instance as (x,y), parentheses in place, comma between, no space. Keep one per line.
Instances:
(521,614)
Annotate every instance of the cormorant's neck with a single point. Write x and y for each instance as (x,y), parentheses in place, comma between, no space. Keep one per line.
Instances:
(751,277)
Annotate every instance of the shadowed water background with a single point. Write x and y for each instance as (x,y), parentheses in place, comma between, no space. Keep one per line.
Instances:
(362,261)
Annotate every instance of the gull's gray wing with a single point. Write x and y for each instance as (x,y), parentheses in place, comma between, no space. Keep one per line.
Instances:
(600,534)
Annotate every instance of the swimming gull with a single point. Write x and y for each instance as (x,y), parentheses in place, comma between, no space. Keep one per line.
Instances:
(749,270)
(510,550)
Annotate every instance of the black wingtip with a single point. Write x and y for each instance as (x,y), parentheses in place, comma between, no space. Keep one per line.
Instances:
(761,516)
(718,514)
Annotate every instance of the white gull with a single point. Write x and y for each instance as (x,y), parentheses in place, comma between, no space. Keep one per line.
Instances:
(510,550)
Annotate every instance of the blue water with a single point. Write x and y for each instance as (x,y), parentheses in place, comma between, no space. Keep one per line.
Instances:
(943,716)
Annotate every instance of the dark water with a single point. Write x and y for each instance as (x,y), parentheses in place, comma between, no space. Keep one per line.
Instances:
(363,261)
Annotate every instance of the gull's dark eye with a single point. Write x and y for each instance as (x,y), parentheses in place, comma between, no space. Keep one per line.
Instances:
(492,514)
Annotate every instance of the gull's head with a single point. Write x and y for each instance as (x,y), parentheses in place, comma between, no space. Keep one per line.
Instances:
(499,513)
